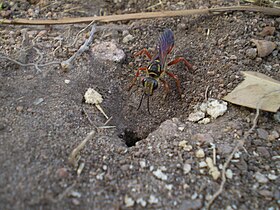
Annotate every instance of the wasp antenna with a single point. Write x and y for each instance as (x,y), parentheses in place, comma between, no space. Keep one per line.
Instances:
(148,105)
(141,101)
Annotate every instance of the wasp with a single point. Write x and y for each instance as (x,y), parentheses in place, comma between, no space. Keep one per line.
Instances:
(157,68)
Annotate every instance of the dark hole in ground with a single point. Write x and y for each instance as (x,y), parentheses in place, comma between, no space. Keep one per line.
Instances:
(130,137)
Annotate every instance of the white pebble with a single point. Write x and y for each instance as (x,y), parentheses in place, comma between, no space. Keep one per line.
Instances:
(129,202)
(67,81)
(169,186)
(200,153)
(202,164)
(142,163)
(261,178)
(141,201)
(187,168)
(158,173)
(153,199)
(272,176)
(229,173)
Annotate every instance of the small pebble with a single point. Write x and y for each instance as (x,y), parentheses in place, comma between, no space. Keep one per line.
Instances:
(67,81)
(202,164)
(251,53)
(75,201)
(272,177)
(127,38)
(261,178)
(142,202)
(62,173)
(266,193)
(233,57)
(142,163)
(76,194)
(200,153)
(187,168)
(38,101)
(229,174)
(263,152)
(160,175)
(153,199)
(196,116)
(263,134)
(128,201)
(19,108)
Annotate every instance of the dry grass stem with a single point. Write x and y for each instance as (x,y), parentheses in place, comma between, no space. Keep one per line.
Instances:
(143,15)
(73,158)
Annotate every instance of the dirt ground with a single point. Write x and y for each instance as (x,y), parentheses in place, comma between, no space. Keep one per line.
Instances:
(44,116)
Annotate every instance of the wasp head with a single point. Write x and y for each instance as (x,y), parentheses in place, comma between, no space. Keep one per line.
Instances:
(149,84)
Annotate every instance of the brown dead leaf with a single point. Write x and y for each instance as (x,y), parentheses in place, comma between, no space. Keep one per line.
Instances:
(256,91)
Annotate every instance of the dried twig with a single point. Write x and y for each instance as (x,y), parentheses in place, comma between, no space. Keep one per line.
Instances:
(144,15)
(239,144)
(73,158)
(81,31)
(36,65)
(68,63)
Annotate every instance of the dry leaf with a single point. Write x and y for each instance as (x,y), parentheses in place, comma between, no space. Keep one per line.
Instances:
(256,91)
(264,47)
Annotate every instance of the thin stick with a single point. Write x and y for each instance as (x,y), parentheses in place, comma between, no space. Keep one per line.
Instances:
(68,63)
(73,156)
(144,15)
(81,31)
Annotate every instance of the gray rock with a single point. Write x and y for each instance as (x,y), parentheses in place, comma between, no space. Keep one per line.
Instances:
(127,38)
(261,178)
(251,53)
(191,204)
(108,51)
(263,134)
(263,152)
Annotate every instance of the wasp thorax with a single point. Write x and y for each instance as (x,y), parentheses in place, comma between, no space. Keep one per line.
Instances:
(154,69)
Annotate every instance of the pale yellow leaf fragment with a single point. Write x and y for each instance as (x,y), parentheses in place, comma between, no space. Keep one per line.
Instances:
(256,91)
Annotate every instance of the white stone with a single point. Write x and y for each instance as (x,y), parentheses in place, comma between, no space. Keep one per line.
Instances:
(200,153)
(127,38)
(229,173)
(142,202)
(272,176)
(261,178)
(216,108)
(153,199)
(169,186)
(196,116)
(129,202)
(204,121)
(142,163)
(202,164)
(160,175)
(187,168)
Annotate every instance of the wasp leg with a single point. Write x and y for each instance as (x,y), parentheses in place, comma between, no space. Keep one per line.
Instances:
(136,75)
(144,51)
(177,81)
(180,59)
(166,87)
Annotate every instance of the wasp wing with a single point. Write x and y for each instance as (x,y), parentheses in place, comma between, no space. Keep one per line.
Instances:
(166,43)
